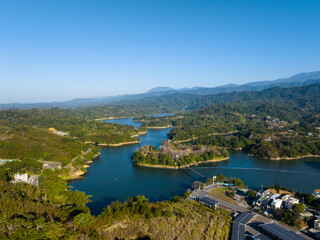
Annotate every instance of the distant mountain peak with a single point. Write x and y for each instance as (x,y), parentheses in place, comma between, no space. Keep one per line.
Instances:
(160,89)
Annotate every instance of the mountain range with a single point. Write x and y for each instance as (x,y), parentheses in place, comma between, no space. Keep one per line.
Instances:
(301,79)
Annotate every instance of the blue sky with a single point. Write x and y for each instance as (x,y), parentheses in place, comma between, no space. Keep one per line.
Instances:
(60,50)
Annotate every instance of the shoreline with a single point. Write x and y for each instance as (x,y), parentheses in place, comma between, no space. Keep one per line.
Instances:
(111,118)
(117,144)
(139,134)
(187,165)
(211,134)
(288,158)
(79,174)
(114,144)
(163,127)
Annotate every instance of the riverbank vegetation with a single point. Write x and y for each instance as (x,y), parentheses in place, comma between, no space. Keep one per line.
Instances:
(275,123)
(67,121)
(53,212)
(173,154)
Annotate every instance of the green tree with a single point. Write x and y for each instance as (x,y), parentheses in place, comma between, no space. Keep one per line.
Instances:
(83,219)
(298,208)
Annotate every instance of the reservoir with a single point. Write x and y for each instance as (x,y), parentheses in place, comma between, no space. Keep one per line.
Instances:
(112,176)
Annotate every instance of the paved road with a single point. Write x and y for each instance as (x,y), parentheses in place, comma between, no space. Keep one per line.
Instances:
(205,193)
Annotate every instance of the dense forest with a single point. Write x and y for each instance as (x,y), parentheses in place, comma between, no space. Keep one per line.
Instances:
(67,121)
(52,212)
(172,154)
(274,123)
(298,99)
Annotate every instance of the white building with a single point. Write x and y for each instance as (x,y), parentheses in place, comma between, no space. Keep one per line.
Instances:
(285,197)
(317,224)
(290,202)
(276,204)
(21,177)
(316,193)
(34,180)
(274,196)
(263,193)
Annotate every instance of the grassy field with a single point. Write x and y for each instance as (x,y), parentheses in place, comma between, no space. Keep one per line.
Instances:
(219,193)
(280,192)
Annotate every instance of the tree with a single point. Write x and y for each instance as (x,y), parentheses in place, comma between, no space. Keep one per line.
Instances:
(277,186)
(177,199)
(140,199)
(298,208)
(251,194)
(83,219)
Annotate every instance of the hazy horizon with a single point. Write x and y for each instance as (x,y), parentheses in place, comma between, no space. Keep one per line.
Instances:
(53,51)
(182,87)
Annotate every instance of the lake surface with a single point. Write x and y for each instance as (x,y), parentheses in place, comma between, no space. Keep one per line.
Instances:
(113,177)
(124,121)
(160,115)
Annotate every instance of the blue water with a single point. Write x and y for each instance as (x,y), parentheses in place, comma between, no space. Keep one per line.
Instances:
(113,177)
(160,115)
(124,121)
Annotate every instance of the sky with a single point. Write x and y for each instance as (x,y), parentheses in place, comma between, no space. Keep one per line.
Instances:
(60,50)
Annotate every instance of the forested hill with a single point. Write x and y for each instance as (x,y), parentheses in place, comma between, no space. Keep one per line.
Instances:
(307,97)
(302,79)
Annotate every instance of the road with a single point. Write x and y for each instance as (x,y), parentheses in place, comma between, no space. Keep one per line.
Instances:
(204,192)
(70,164)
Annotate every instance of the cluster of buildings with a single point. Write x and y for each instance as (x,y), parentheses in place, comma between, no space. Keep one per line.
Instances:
(316,193)
(315,231)
(274,123)
(249,225)
(24,178)
(269,201)
(51,165)
(55,131)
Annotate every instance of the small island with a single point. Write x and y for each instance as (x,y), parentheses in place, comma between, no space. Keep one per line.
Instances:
(177,155)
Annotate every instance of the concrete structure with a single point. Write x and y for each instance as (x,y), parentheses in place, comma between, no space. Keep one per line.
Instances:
(306,214)
(316,193)
(21,177)
(314,233)
(290,202)
(276,204)
(274,196)
(239,225)
(286,197)
(24,178)
(51,166)
(213,179)
(275,231)
(244,227)
(209,202)
(317,224)
(263,193)
(263,197)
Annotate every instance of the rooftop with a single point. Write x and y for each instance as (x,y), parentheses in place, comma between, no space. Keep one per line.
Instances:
(279,233)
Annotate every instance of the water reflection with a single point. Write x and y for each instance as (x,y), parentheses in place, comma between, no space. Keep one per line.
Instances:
(113,176)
